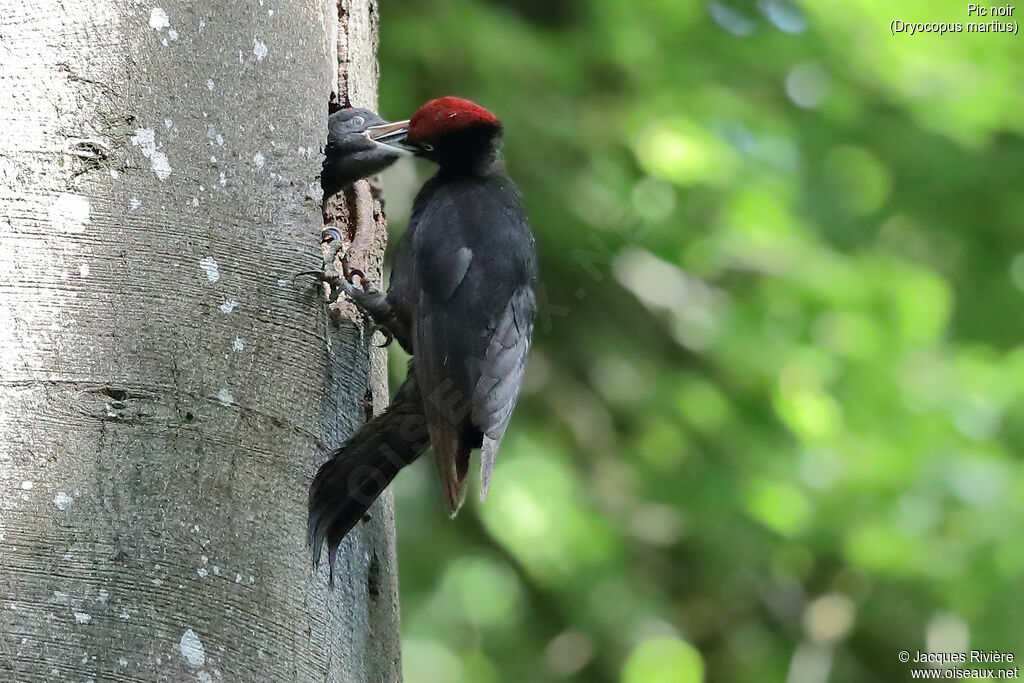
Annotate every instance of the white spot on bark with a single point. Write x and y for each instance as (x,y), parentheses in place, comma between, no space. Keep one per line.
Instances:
(209,84)
(124,615)
(204,677)
(238,578)
(223,178)
(60,596)
(157,582)
(83,270)
(82,618)
(164,41)
(202,25)
(26,485)
(283,283)
(122,661)
(228,306)
(259,48)
(258,160)
(145,140)
(252,579)
(209,264)
(195,528)
(134,203)
(192,648)
(104,594)
(216,570)
(202,572)
(270,12)
(168,124)
(238,344)
(160,165)
(225,397)
(69,213)
(220,140)
(62,500)
(172,34)
(158,19)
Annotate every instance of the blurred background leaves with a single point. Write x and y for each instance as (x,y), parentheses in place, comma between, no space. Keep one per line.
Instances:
(773,421)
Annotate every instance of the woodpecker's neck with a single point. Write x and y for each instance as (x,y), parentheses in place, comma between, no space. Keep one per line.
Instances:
(467,153)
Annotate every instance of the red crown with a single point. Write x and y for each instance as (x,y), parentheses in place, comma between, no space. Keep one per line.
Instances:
(448,115)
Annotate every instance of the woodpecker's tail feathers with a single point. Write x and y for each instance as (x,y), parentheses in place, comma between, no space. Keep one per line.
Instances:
(451,454)
(359,471)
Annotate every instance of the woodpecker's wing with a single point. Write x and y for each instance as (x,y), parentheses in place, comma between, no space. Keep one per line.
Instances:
(500,378)
(474,312)
(439,344)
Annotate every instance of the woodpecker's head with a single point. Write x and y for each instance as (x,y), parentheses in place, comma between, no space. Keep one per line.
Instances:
(350,154)
(351,121)
(346,132)
(450,131)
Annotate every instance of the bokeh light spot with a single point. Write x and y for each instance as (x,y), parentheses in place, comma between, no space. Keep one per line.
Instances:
(664,660)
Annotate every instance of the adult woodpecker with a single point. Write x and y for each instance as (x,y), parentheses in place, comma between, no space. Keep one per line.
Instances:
(350,153)
(461,302)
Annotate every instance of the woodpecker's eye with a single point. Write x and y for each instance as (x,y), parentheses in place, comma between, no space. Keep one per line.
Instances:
(428,148)
(358,121)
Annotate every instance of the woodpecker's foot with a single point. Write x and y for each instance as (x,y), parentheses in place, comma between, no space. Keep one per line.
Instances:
(339,284)
(336,284)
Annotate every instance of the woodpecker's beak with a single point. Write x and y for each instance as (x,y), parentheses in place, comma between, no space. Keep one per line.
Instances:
(391,136)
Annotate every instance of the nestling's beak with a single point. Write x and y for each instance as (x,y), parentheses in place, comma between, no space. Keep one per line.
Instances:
(391,136)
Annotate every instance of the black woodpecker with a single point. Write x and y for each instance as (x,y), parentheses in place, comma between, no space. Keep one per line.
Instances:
(461,301)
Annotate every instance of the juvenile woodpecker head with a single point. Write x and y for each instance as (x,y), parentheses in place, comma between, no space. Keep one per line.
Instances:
(451,131)
(349,124)
(350,153)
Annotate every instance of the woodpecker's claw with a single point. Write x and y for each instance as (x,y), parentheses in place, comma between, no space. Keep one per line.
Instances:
(336,284)
(388,338)
(355,272)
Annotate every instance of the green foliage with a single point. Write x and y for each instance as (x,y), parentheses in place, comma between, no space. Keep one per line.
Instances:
(774,415)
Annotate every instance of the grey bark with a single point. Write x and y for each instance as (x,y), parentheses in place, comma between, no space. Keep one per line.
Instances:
(166,389)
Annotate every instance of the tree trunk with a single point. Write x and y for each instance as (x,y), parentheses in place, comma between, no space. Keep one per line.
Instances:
(166,389)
